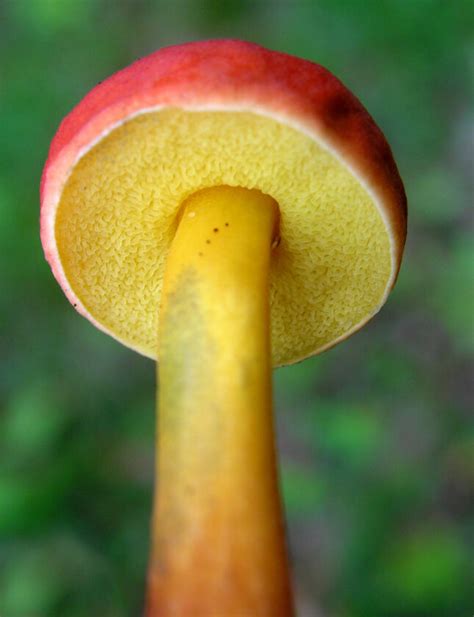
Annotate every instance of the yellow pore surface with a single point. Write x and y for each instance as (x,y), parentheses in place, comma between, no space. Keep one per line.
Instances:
(118,214)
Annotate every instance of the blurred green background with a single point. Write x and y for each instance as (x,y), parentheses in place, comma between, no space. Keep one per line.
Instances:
(375,437)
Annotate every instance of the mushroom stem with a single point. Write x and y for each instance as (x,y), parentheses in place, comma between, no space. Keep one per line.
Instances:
(218,533)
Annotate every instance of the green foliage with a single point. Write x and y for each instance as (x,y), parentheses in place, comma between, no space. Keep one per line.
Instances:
(374,435)
(426,572)
(303,492)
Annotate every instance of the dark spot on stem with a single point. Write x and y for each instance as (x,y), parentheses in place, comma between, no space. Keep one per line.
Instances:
(215,230)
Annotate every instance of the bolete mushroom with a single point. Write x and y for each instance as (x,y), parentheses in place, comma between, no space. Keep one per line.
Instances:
(222,208)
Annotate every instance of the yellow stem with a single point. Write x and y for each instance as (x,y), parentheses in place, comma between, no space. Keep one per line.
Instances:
(218,535)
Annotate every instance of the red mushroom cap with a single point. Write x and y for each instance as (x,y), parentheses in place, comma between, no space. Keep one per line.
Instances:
(239,76)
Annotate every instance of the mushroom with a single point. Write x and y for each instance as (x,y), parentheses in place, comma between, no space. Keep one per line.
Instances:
(226,209)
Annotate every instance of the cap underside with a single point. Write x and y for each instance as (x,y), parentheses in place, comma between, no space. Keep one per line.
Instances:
(118,212)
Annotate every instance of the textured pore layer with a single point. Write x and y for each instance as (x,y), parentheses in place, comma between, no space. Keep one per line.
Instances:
(117,216)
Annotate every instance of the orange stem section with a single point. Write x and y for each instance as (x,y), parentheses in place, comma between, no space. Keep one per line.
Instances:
(218,535)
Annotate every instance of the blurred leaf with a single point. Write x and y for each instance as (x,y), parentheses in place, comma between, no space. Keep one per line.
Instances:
(392,372)
(32,421)
(454,297)
(52,15)
(303,492)
(293,382)
(29,586)
(346,433)
(437,197)
(354,435)
(46,578)
(215,12)
(31,497)
(425,573)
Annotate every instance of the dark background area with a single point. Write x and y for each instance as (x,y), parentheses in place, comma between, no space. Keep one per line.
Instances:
(375,436)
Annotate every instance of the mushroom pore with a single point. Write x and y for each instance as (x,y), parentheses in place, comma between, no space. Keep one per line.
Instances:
(119,209)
